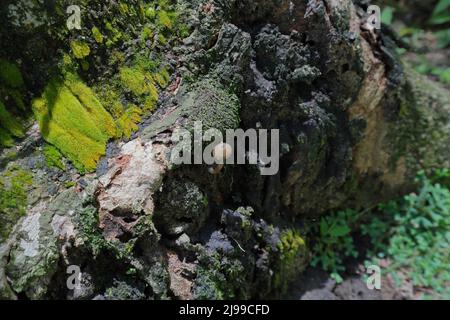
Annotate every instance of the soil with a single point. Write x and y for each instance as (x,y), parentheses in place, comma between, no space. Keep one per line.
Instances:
(315,284)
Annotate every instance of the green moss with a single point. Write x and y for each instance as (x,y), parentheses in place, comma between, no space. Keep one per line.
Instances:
(10,74)
(80,49)
(123,8)
(164,20)
(150,13)
(183,31)
(162,40)
(17,97)
(5,138)
(114,35)
(53,157)
(98,36)
(220,277)
(293,259)
(14,185)
(72,119)
(150,104)
(9,127)
(90,101)
(127,123)
(11,86)
(110,98)
(141,83)
(87,222)
(207,101)
(162,78)
(85,65)
(207,288)
(70,184)
(213,104)
(147,34)
(134,80)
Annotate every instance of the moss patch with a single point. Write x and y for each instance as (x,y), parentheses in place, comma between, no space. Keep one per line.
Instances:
(293,259)
(14,185)
(142,80)
(11,103)
(9,127)
(135,81)
(127,123)
(80,49)
(72,119)
(98,36)
(10,74)
(53,157)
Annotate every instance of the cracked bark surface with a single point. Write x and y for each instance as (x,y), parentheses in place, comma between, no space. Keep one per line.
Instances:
(356,124)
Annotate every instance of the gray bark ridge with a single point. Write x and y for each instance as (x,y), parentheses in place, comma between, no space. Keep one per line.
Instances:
(355,123)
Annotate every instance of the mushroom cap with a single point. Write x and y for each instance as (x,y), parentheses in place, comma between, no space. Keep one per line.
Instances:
(222,152)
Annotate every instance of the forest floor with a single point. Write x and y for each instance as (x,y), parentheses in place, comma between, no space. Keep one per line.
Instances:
(316,284)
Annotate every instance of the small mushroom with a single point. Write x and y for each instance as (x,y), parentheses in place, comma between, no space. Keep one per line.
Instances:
(221,153)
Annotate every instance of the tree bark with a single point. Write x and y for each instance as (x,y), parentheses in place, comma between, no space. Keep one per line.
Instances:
(356,124)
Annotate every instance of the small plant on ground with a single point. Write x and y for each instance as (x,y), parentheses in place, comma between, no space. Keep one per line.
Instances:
(334,242)
(414,234)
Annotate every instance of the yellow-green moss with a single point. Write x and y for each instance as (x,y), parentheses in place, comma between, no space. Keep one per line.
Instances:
(90,101)
(9,126)
(14,185)
(123,8)
(53,157)
(6,140)
(70,184)
(80,49)
(72,119)
(162,40)
(162,78)
(114,35)
(149,104)
(293,258)
(98,36)
(138,82)
(153,92)
(110,99)
(11,88)
(17,97)
(127,123)
(10,74)
(164,20)
(150,13)
(147,33)
(134,80)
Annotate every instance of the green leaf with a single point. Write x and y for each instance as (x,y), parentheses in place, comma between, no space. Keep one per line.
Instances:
(337,277)
(339,231)
(387,15)
(440,19)
(441,6)
(443,38)
(445,76)
(440,15)
(323,227)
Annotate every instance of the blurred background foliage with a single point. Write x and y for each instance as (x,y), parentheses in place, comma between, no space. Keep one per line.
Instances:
(424,25)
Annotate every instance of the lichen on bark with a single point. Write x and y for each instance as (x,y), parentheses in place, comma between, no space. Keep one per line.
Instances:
(353,121)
